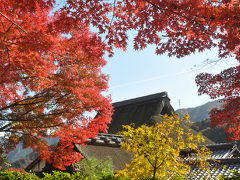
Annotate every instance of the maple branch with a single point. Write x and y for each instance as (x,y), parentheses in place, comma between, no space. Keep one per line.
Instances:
(22,133)
(31,117)
(36,117)
(113,16)
(187,18)
(111,22)
(13,22)
(13,120)
(114,8)
(37,127)
(37,106)
(18,103)
(3,26)
(8,28)
(9,62)
(10,129)
(37,96)
(6,126)
(162,161)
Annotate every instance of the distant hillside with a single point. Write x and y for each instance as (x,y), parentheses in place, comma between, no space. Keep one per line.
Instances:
(21,157)
(200,117)
(200,113)
(217,134)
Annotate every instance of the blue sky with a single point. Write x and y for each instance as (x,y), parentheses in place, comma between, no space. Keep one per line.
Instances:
(138,73)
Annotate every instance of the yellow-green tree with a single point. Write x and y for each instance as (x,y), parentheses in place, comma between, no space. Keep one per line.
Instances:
(156,148)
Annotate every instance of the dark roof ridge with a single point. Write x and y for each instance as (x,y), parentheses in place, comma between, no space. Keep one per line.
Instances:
(222,145)
(142,99)
(215,147)
(110,135)
(229,160)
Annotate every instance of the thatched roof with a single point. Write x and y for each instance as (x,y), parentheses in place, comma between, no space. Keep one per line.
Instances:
(139,111)
(142,110)
(105,145)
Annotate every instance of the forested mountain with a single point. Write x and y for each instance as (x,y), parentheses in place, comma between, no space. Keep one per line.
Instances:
(200,113)
(200,117)
(216,134)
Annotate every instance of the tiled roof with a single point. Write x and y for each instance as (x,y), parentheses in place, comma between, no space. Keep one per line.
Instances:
(224,150)
(225,157)
(106,140)
(221,154)
(220,150)
(218,146)
(226,153)
(221,168)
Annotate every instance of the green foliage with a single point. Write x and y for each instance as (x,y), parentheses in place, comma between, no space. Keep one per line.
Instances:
(59,175)
(216,134)
(96,169)
(90,169)
(156,149)
(56,175)
(14,175)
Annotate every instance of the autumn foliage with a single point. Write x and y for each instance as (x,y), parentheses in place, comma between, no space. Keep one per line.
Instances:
(156,149)
(49,83)
(50,70)
(227,85)
(177,28)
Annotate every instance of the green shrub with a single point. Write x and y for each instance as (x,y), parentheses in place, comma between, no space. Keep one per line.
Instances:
(58,175)
(96,169)
(14,175)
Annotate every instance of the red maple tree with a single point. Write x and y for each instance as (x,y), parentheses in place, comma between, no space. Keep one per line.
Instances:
(178,28)
(50,80)
(225,85)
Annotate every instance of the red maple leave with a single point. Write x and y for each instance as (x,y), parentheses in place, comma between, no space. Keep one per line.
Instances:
(178,28)
(49,83)
(226,85)
(50,70)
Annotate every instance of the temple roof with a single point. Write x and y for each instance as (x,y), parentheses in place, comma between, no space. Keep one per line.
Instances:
(139,111)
